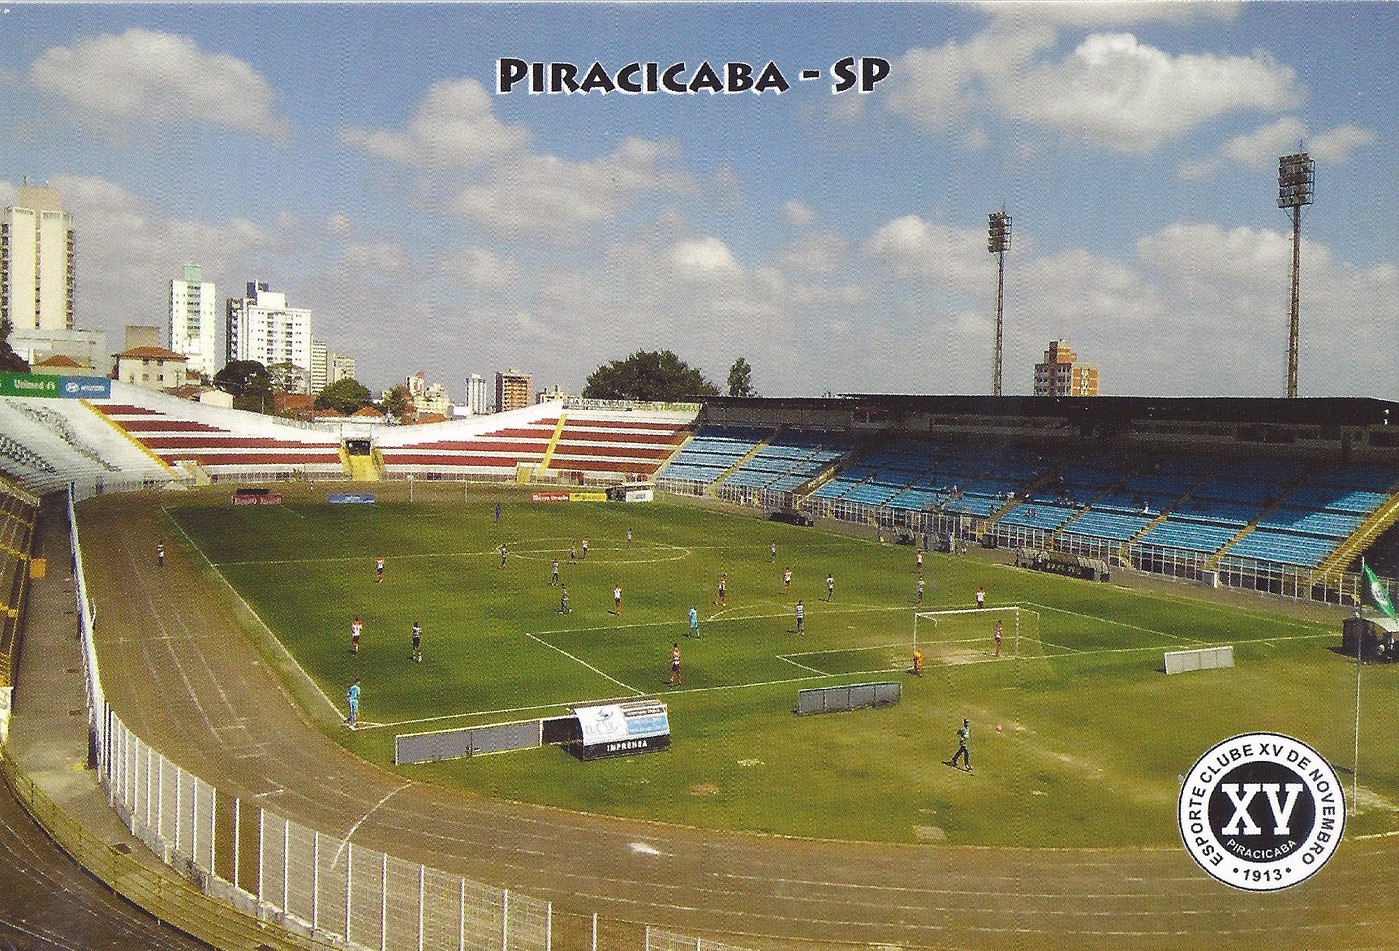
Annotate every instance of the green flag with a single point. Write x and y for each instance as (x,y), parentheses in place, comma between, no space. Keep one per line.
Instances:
(1378,595)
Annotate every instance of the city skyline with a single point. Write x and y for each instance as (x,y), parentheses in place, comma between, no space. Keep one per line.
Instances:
(837,241)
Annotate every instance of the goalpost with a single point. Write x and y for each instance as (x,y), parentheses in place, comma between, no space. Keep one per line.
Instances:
(967,635)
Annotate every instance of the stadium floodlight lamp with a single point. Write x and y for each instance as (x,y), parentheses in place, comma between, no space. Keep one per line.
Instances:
(998,233)
(998,242)
(1296,181)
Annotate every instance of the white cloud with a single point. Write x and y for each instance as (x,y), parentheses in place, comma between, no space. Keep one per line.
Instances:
(1111,90)
(798,214)
(1123,94)
(931,253)
(484,170)
(479,268)
(936,87)
(1335,146)
(1229,293)
(1099,13)
(547,195)
(821,252)
(1261,148)
(453,127)
(377,259)
(702,258)
(145,76)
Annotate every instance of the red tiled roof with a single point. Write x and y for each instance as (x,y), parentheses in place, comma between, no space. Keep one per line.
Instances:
(59,360)
(152,353)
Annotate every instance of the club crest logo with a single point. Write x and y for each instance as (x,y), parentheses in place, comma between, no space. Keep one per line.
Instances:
(1261,812)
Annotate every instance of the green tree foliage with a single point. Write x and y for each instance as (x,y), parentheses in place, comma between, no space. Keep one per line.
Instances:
(648,375)
(10,362)
(741,379)
(344,396)
(399,404)
(243,378)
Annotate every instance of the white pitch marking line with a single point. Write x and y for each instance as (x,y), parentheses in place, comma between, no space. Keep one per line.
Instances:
(1134,627)
(360,821)
(564,705)
(873,647)
(802,666)
(584,663)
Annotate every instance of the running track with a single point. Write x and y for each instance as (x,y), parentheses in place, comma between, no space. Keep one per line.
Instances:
(180,673)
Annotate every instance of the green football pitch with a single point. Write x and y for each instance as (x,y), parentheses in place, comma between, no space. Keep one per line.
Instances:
(1077,734)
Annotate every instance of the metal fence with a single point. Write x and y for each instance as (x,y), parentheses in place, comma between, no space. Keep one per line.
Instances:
(1202,658)
(280,871)
(100,485)
(1288,581)
(848,697)
(658,940)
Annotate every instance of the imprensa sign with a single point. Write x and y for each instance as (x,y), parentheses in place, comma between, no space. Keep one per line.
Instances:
(55,387)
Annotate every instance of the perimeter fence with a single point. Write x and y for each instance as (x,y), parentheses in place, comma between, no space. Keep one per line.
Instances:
(278,870)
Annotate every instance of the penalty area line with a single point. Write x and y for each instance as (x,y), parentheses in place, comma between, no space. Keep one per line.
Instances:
(795,664)
(1133,627)
(579,660)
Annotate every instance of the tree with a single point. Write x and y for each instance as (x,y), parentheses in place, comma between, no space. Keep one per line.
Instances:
(248,381)
(741,379)
(344,396)
(648,375)
(243,378)
(10,362)
(287,377)
(398,403)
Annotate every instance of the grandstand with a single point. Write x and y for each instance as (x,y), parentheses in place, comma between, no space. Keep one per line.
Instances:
(18,510)
(1242,491)
(1228,491)
(1248,493)
(570,445)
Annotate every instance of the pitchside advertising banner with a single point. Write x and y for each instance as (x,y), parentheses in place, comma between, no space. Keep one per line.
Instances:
(350,498)
(619,729)
(55,387)
(576,496)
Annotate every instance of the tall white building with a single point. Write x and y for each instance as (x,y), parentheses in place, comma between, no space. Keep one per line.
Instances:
(340,368)
(320,365)
(262,327)
(37,262)
(328,367)
(476,394)
(194,320)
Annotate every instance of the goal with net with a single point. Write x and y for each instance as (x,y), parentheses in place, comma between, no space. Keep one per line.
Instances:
(968,635)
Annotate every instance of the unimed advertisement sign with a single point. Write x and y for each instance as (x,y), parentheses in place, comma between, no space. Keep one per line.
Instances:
(55,387)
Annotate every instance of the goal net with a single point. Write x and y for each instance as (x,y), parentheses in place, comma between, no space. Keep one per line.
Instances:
(967,636)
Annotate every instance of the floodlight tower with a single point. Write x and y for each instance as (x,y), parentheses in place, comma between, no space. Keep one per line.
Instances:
(1296,176)
(998,242)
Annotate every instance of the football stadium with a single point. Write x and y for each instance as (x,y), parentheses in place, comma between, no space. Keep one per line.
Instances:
(868,649)
(1101,588)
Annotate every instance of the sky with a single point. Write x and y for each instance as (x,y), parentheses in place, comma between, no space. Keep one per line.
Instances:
(362,159)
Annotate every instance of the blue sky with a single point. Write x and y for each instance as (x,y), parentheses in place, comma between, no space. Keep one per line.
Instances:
(358,158)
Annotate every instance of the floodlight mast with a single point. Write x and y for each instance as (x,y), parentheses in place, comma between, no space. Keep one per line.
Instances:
(998,242)
(1296,178)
